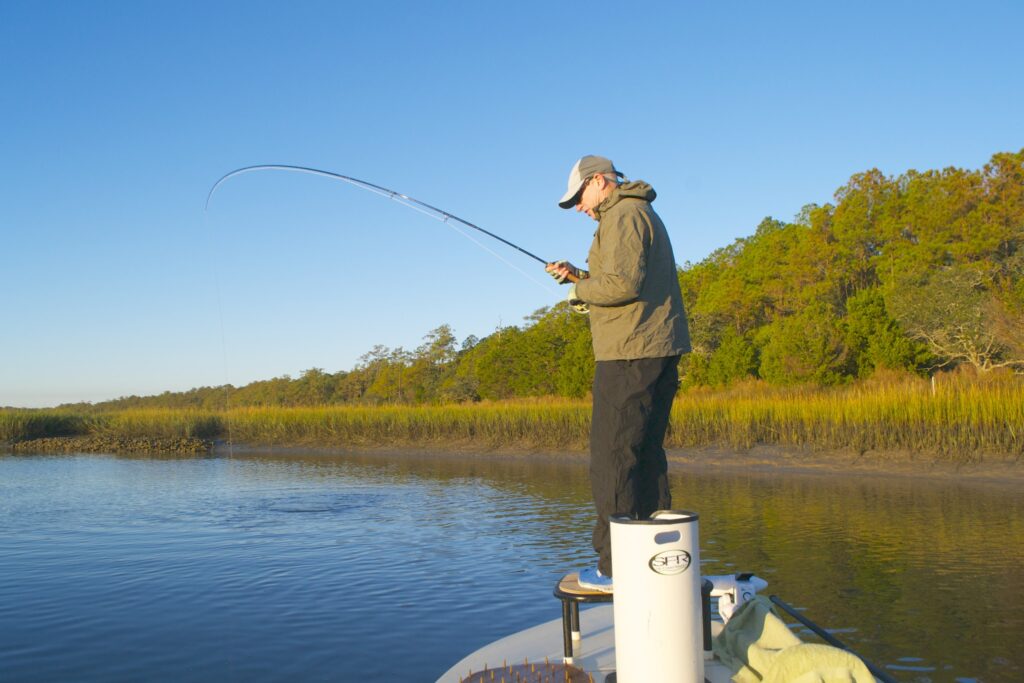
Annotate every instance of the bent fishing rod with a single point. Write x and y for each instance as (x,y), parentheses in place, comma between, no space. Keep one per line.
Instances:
(405,200)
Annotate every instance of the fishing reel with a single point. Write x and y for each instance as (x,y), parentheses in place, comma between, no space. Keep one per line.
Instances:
(732,590)
(577,304)
(580,307)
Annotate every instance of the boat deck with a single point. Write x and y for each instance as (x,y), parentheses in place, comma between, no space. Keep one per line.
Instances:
(594,653)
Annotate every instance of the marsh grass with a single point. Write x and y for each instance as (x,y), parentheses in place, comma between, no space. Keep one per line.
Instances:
(17,425)
(962,419)
(533,424)
(157,423)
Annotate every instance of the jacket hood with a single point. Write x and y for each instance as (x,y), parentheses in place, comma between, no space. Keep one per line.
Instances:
(636,189)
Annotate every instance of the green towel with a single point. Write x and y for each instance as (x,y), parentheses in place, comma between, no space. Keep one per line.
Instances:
(760,648)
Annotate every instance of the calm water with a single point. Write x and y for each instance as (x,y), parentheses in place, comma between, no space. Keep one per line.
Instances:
(313,567)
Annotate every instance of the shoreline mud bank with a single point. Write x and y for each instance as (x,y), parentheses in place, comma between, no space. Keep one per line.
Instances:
(760,459)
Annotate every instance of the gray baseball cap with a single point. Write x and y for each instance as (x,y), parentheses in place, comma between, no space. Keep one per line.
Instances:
(584,168)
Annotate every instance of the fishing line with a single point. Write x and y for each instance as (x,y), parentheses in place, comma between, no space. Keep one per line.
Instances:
(545,285)
(404,200)
(223,343)
(444,219)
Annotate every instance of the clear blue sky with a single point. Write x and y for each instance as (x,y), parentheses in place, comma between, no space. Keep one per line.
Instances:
(116,118)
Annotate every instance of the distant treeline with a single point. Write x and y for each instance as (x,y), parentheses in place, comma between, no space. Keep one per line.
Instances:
(919,272)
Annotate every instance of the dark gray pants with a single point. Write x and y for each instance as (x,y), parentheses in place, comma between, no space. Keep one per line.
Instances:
(628,468)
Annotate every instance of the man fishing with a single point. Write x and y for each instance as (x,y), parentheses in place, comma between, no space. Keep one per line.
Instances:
(639,330)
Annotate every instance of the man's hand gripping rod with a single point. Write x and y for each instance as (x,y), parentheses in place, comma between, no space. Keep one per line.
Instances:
(564,272)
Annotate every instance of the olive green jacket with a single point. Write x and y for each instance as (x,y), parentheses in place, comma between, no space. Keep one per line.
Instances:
(636,309)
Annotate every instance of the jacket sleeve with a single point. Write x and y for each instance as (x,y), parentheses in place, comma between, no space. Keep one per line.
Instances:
(624,246)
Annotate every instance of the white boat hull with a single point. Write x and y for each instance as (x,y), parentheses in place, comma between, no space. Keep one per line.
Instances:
(594,653)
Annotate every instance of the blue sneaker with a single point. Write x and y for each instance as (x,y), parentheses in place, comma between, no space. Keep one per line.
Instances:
(593,579)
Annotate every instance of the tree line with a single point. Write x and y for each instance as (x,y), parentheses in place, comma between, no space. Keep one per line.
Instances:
(919,272)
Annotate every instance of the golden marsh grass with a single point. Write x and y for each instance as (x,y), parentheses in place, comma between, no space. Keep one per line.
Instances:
(961,419)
